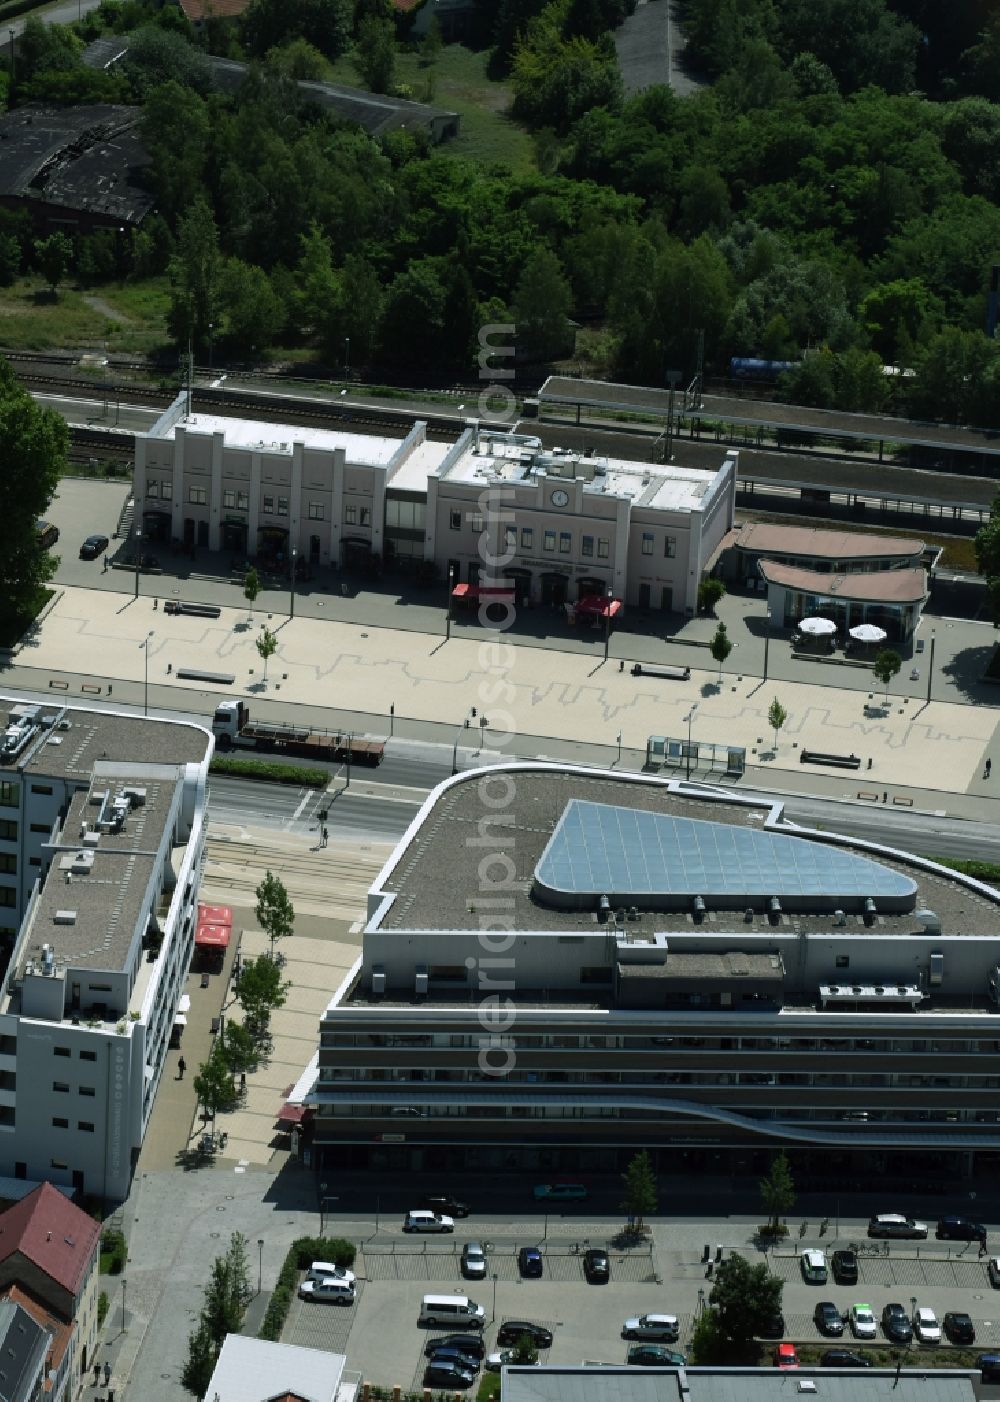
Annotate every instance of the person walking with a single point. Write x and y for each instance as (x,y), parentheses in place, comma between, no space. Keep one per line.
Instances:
(181,1068)
(326,836)
(988,769)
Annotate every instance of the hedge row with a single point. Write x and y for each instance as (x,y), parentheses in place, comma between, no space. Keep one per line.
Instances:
(301,1254)
(271,770)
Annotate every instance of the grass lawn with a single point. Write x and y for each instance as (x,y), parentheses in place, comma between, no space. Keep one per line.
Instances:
(457,82)
(121,317)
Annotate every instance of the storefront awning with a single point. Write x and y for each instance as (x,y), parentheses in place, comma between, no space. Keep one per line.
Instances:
(467,592)
(602,608)
(180,1020)
(184,1003)
(215,914)
(294,1114)
(212,937)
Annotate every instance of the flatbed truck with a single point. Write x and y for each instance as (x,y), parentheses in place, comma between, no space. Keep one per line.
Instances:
(233,728)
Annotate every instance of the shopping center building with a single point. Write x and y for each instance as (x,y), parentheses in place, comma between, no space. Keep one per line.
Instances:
(561,967)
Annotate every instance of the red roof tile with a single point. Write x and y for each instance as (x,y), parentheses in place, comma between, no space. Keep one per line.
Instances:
(767,538)
(217,9)
(48,1230)
(874,587)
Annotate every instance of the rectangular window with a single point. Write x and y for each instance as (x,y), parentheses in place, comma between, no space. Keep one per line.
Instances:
(269,505)
(10,793)
(60,1051)
(587,545)
(60,1087)
(41,788)
(86,1090)
(527,535)
(229,499)
(477,522)
(669,546)
(40,827)
(243,501)
(8,830)
(366,516)
(8,897)
(843,961)
(550,540)
(315,511)
(58,1163)
(565,542)
(88,1056)
(455,520)
(350,515)
(59,1123)
(8,863)
(602,549)
(510,537)
(647,542)
(197,496)
(282,506)
(34,861)
(152,488)
(86,1126)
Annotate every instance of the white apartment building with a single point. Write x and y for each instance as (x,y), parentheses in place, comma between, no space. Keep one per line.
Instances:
(103,855)
(564,526)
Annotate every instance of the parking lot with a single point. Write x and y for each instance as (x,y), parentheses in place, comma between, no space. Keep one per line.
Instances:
(383,1341)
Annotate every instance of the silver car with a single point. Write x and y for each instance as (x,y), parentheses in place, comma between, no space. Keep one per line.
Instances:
(473,1261)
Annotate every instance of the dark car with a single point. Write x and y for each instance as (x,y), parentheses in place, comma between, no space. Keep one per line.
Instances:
(896,1323)
(529,1261)
(513,1329)
(959,1327)
(597,1267)
(845,1268)
(960,1229)
(93,546)
(989,1365)
(654,1356)
(454,1355)
(470,1344)
(827,1318)
(773,1327)
(445,1207)
(843,1358)
(447,1375)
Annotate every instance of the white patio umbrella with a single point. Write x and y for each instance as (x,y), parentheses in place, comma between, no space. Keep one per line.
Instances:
(817,627)
(869,633)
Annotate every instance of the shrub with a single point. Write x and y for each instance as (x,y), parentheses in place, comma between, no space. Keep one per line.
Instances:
(301,1254)
(114,1249)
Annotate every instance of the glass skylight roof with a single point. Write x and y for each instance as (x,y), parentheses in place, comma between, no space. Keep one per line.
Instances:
(598,849)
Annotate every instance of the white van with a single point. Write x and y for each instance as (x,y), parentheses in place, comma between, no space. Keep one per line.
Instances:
(453,1310)
(420,1220)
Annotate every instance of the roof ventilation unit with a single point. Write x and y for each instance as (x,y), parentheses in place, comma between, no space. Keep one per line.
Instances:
(698,909)
(420,983)
(839,918)
(378,980)
(774,910)
(603,910)
(930,921)
(871,910)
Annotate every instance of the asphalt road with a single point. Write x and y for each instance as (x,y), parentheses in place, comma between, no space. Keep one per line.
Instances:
(291,808)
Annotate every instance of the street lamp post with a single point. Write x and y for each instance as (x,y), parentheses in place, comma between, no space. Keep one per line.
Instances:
(607,622)
(291,603)
(347,355)
(138,557)
(451,585)
(619,747)
(145,677)
(260,1264)
(322,1200)
(124,1288)
(211,328)
(11,33)
(494,1314)
(930,668)
(687,756)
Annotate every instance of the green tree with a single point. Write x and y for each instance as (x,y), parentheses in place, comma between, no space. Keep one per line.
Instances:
(267,646)
(194,276)
(238,1048)
(721,646)
(361,308)
(200,1362)
(33,443)
(228,1291)
(326,24)
(776,717)
(887,663)
(213,1083)
(710,591)
(299,60)
(260,990)
(53,256)
(988,555)
(432,43)
(640,1189)
(707,1344)
(251,587)
(744,1298)
(157,55)
(253,314)
(274,911)
(175,129)
(10,258)
(524,1352)
(777,1190)
(541,306)
(374,54)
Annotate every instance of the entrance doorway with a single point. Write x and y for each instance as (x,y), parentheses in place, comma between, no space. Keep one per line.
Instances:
(644,595)
(554,589)
(203,533)
(667,598)
(234,537)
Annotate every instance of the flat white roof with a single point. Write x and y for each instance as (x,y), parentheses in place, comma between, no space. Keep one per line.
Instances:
(368,449)
(422,463)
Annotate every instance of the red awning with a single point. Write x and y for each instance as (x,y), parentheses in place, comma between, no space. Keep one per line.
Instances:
(215,915)
(603,608)
(465,592)
(212,937)
(294,1114)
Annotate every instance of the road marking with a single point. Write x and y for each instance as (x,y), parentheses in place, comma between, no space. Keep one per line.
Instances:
(298,812)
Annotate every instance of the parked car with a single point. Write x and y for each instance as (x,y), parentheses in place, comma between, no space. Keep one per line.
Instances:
(784,1356)
(863,1322)
(529,1262)
(473,1261)
(513,1329)
(456,1356)
(329,1270)
(93,546)
(960,1229)
(449,1207)
(959,1327)
(597,1267)
(654,1356)
(447,1375)
(827,1318)
(495,1361)
(896,1225)
(327,1291)
(813,1265)
(989,1365)
(843,1358)
(559,1192)
(926,1329)
(470,1344)
(845,1268)
(896,1323)
(993,1271)
(421,1220)
(773,1327)
(652,1326)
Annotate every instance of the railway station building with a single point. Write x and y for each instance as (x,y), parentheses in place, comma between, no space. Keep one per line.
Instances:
(562,967)
(557,526)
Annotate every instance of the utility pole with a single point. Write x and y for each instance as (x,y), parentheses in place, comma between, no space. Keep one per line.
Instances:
(930,669)
(673,380)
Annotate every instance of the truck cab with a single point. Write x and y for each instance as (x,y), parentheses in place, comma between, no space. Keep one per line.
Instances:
(229,719)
